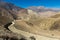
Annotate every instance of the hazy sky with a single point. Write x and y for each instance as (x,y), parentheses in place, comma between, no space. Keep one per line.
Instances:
(27,3)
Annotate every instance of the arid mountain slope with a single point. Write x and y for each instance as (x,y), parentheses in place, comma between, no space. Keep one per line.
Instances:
(43,26)
(10,12)
(45,12)
(56,16)
(30,21)
(5,17)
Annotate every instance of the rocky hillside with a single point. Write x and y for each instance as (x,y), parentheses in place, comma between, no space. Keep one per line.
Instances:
(10,12)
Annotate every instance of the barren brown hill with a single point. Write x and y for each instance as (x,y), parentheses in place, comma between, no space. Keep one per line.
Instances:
(44,26)
(56,16)
(5,17)
(10,12)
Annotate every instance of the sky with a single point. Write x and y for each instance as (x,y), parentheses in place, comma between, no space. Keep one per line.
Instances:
(28,3)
